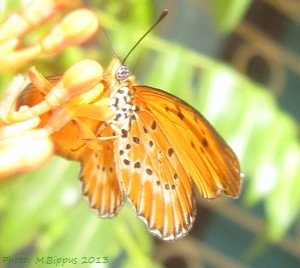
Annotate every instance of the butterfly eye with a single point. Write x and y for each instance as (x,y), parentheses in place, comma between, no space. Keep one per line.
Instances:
(122,73)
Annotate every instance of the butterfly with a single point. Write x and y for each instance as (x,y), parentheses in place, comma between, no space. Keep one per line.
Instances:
(153,149)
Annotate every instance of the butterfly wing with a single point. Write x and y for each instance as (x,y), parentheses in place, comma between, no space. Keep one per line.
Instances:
(208,159)
(99,179)
(159,189)
(169,145)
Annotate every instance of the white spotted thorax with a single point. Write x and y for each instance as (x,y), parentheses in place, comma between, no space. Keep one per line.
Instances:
(121,97)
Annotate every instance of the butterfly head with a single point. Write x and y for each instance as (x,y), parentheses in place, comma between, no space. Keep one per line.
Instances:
(118,73)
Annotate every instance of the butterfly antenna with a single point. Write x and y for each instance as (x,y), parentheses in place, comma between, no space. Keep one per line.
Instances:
(109,41)
(161,17)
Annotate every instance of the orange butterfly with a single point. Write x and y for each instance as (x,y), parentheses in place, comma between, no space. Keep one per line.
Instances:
(163,146)
(151,151)
(154,148)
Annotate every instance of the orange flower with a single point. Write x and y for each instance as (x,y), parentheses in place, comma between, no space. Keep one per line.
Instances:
(22,147)
(23,144)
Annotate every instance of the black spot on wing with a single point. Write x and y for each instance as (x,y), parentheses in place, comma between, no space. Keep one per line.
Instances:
(126,162)
(128,146)
(136,140)
(137,165)
(204,142)
(153,125)
(150,143)
(170,152)
(149,171)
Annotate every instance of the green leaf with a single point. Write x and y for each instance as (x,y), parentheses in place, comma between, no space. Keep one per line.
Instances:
(283,205)
(228,13)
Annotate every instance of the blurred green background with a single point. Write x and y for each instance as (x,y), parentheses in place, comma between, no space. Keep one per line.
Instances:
(238,63)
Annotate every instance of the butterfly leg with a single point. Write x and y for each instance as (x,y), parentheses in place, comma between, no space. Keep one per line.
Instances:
(61,117)
(88,136)
(115,128)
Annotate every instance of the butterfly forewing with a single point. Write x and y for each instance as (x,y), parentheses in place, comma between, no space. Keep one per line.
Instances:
(207,158)
(99,179)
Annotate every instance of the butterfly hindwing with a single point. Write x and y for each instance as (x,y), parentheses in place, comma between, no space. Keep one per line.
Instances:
(154,180)
(99,179)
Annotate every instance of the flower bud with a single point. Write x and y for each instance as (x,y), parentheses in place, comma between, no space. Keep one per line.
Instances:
(76,28)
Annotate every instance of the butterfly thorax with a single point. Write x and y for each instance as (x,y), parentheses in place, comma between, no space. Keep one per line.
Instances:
(121,81)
